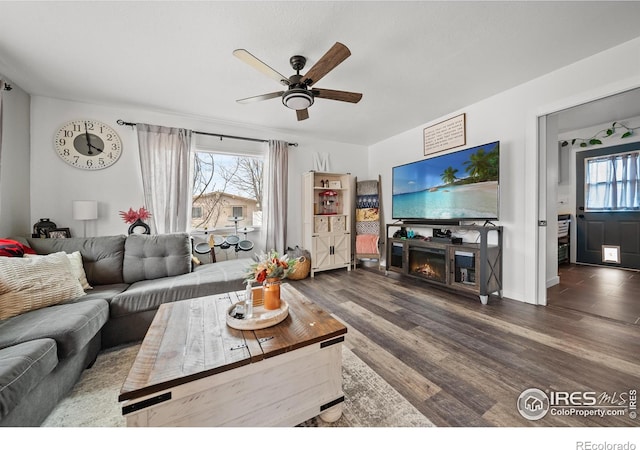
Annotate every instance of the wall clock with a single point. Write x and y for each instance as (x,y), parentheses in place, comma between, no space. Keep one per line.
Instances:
(88,144)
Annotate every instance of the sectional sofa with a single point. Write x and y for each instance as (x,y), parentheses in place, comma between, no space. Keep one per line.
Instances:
(44,351)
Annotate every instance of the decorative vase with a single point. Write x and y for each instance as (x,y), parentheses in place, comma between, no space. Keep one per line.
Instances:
(139,227)
(40,229)
(271,293)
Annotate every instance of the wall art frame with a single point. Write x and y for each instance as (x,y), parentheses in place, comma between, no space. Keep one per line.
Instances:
(445,135)
(59,233)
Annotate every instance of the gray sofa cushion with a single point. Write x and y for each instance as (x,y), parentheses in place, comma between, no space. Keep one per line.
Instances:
(208,279)
(105,292)
(102,257)
(148,257)
(22,367)
(71,325)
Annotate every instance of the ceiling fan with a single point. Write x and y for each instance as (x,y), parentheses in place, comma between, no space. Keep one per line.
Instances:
(300,94)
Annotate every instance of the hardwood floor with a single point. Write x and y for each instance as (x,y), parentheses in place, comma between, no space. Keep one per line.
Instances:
(464,364)
(602,291)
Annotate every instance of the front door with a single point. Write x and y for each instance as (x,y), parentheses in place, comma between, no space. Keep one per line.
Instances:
(600,225)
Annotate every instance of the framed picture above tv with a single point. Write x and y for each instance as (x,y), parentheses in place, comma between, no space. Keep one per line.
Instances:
(445,135)
(457,186)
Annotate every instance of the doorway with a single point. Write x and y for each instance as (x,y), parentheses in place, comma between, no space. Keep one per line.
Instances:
(608,227)
(602,291)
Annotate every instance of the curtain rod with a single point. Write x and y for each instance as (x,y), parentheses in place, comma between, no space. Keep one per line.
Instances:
(221,136)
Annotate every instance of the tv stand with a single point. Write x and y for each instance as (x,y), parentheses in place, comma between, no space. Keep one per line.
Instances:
(470,267)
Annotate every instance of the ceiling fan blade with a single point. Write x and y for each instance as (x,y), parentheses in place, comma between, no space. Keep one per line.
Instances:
(258,98)
(302,114)
(336,54)
(343,96)
(254,62)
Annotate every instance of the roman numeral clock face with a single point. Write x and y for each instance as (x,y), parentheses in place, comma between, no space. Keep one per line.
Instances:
(88,144)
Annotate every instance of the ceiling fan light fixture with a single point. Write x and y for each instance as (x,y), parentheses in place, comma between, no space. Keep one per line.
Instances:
(297,99)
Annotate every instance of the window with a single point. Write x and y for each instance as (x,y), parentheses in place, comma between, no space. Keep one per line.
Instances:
(224,187)
(237,211)
(612,182)
(196,212)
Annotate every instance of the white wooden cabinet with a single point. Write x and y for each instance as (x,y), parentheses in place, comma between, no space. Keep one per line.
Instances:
(327,219)
(330,251)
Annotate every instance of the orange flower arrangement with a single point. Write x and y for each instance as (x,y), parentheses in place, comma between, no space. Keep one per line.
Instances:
(270,265)
(131,216)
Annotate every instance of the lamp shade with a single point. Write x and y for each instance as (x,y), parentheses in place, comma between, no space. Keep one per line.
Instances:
(85,209)
(297,99)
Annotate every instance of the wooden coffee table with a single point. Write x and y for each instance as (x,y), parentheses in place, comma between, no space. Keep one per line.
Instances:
(194,370)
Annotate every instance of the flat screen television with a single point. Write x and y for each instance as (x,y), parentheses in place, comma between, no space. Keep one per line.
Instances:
(457,186)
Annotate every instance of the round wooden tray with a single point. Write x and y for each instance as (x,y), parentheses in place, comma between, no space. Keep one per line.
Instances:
(262,318)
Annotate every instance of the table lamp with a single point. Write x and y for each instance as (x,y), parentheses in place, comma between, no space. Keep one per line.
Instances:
(85,210)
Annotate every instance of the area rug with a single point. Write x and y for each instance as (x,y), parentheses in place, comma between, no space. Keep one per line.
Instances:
(369,400)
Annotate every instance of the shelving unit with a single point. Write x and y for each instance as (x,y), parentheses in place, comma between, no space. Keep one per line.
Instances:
(368,223)
(474,268)
(564,238)
(327,219)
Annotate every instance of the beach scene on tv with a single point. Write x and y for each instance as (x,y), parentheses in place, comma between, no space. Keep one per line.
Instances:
(459,185)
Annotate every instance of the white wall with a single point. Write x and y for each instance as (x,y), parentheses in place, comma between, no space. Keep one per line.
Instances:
(511,118)
(55,184)
(14,164)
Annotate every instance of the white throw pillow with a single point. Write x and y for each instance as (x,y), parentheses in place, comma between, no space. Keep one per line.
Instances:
(27,284)
(77,268)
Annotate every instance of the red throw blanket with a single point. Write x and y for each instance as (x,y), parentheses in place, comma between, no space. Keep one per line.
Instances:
(367,243)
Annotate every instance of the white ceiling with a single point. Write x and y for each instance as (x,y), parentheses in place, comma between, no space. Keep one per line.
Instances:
(607,110)
(413,61)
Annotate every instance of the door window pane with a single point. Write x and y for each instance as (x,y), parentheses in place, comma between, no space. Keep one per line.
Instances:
(612,182)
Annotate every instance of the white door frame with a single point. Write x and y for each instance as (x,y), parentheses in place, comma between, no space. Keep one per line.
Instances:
(538,141)
(542,208)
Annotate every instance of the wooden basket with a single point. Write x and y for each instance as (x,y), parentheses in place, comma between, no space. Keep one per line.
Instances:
(301,269)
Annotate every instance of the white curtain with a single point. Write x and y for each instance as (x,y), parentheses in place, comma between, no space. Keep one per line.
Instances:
(275,196)
(629,196)
(613,182)
(164,161)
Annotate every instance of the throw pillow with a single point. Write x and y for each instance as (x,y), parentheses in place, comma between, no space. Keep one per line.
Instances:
(9,247)
(77,268)
(27,284)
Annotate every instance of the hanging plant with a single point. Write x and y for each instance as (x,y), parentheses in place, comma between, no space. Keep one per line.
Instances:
(605,133)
